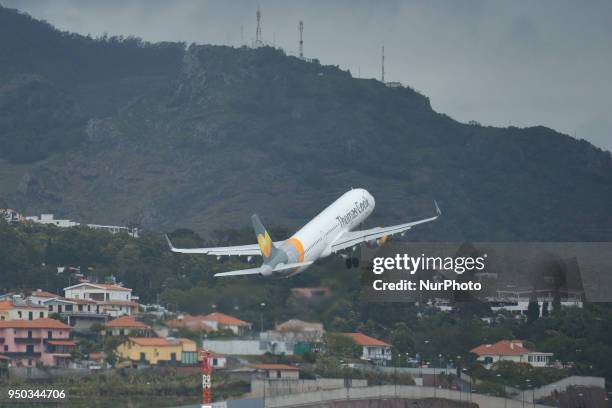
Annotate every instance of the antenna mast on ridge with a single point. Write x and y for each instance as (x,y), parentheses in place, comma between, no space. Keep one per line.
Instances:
(382,77)
(301,26)
(258,41)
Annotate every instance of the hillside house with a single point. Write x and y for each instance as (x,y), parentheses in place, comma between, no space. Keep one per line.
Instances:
(126,326)
(16,308)
(114,300)
(221,321)
(510,350)
(277,371)
(158,351)
(29,342)
(374,350)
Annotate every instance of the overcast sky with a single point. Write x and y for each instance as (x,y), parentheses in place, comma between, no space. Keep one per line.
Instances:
(522,63)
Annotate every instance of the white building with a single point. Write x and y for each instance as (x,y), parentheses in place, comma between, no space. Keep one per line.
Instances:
(113,299)
(373,349)
(49,219)
(510,350)
(113,229)
(39,297)
(10,215)
(517,302)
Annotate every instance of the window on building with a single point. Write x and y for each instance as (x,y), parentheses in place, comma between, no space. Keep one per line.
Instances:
(19,314)
(30,316)
(49,334)
(29,334)
(278,373)
(41,315)
(50,308)
(5,348)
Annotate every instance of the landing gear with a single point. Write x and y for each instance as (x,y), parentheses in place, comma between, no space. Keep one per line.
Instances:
(352,262)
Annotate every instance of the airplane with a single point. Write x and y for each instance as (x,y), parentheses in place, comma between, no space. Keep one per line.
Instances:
(330,232)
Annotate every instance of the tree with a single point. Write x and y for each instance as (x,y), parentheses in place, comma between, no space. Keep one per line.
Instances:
(533,311)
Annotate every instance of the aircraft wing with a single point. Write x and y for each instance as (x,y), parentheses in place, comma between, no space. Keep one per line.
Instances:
(352,238)
(238,250)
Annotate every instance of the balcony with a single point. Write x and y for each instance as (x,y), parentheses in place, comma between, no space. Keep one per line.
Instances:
(22,354)
(47,339)
(28,340)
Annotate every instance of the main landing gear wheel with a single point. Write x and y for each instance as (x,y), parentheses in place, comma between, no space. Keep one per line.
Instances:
(355,262)
(349,263)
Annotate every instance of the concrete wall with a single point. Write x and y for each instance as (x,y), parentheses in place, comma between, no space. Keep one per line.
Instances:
(284,387)
(561,385)
(246,347)
(415,372)
(331,397)
(44,373)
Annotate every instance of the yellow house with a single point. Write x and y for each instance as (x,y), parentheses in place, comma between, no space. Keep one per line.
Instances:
(158,351)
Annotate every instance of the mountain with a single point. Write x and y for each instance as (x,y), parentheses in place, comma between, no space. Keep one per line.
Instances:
(117,130)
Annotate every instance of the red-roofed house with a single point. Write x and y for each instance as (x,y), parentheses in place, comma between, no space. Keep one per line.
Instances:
(372,349)
(16,308)
(27,342)
(189,322)
(510,350)
(126,326)
(221,321)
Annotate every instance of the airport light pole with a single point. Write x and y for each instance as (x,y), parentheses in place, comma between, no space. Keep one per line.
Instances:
(504,383)
(262,304)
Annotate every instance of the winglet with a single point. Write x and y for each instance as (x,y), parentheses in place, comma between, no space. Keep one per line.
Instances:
(438,211)
(172,248)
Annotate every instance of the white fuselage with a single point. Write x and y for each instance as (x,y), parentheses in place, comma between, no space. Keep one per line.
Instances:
(314,240)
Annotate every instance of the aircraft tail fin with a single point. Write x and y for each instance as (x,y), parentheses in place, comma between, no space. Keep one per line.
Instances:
(263,239)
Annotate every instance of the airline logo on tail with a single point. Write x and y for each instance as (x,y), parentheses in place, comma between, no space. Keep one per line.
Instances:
(265,244)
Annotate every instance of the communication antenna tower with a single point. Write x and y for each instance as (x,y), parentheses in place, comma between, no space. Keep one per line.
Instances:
(382,77)
(206,369)
(258,41)
(301,26)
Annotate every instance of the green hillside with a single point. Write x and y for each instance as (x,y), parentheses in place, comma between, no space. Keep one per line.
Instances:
(116,130)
